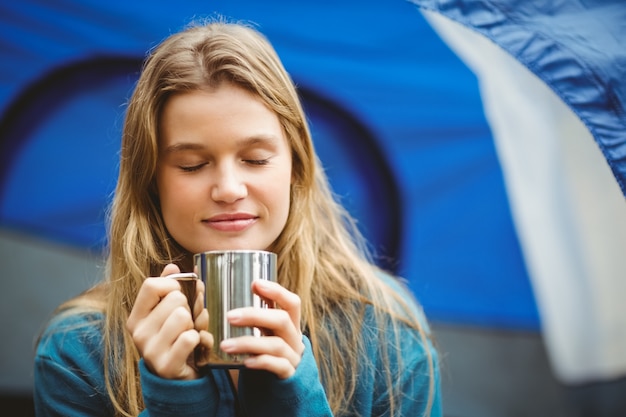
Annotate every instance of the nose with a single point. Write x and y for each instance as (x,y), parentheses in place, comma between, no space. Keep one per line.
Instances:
(228,185)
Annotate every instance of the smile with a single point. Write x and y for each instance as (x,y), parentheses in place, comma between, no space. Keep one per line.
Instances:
(231,222)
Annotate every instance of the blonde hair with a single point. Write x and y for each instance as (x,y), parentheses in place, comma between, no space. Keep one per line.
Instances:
(321,256)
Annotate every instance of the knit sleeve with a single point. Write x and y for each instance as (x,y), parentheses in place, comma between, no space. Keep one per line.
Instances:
(302,395)
(68,378)
(173,398)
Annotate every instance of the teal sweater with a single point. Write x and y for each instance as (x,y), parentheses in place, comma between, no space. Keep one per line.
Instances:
(69,381)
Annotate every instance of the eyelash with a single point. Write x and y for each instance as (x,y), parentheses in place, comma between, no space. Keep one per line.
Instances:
(191,168)
(256,162)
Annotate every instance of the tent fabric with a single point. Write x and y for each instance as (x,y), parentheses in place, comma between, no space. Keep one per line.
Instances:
(567,206)
(575,46)
(66,70)
(397,118)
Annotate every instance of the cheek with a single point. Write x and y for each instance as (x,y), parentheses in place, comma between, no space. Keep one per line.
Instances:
(164,188)
(175,197)
(282,197)
(168,207)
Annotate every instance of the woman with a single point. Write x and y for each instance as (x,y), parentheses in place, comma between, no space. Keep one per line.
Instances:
(216,154)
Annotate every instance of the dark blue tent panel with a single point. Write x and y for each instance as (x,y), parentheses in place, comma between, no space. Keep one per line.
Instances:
(396,116)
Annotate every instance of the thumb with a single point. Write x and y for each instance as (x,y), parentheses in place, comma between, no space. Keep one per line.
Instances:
(170,269)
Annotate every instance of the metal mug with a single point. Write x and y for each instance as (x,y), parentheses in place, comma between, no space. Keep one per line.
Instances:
(228,276)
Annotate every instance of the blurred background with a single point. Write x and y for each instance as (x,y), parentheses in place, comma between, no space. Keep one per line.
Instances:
(495,191)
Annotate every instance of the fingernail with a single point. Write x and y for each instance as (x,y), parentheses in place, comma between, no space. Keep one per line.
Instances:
(227,345)
(233,315)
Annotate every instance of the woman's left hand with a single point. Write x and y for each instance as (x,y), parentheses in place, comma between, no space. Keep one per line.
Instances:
(280,349)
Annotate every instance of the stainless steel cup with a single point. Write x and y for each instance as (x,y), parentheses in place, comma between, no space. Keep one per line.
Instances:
(228,276)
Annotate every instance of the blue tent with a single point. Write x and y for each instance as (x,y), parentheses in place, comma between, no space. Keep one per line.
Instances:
(397,118)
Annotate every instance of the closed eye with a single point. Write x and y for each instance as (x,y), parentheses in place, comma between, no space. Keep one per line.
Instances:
(191,168)
(257,161)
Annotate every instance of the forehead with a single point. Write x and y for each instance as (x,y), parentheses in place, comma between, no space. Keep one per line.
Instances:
(227,111)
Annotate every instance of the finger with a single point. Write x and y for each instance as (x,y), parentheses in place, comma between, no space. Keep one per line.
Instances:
(271,354)
(272,346)
(202,352)
(159,345)
(170,269)
(173,363)
(149,326)
(277,365)
(206,339)
(152,291)
(201,321)
(283,298)
(277,322)
(198,305)
(178,321)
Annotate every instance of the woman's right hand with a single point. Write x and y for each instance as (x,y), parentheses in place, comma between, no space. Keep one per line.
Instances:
(162,326)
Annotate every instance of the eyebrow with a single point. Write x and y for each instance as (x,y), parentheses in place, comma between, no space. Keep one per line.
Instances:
(183,146)
(242,143)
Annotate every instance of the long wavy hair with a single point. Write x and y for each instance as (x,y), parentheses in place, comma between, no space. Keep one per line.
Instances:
(321,255)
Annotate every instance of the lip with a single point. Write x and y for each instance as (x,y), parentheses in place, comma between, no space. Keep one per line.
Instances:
(231,222)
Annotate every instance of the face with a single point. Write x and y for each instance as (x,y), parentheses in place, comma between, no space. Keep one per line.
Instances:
(224,170)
